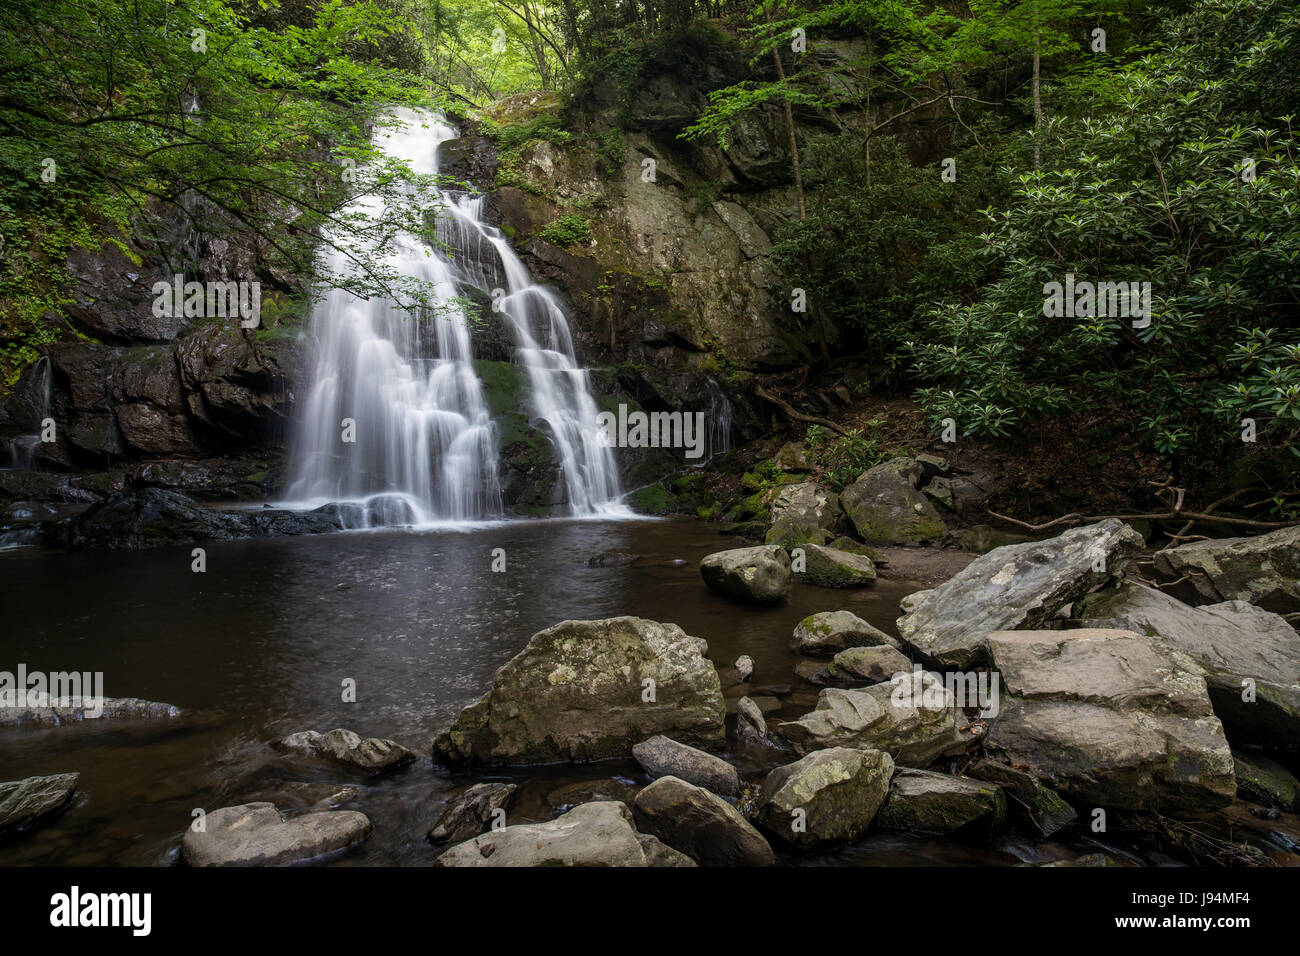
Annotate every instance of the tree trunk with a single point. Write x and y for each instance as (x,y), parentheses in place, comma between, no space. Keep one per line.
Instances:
(789,126)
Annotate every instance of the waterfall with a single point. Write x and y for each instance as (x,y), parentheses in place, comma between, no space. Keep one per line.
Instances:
(424,445)
(719,419)
(20,452)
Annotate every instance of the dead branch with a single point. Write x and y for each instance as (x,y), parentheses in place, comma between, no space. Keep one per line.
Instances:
(798,416)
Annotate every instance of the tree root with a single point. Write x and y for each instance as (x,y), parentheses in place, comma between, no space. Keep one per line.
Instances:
(797,416)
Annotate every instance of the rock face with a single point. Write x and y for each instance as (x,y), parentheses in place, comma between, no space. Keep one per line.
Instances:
(592,834)
(25,803)
(803,513)
(912,731)
(471,812)
(1266,782)
(663,757)
(870,664)
(56,711)
(256,834)
(886,507)
(1263,570)
(1234,642)
(1047,813)
(700,824)
(757,575)
(577,692)
(1110,718)
(839,790)
(941,803)
(829,632)
(829,568)
(372,754)
(1019,586)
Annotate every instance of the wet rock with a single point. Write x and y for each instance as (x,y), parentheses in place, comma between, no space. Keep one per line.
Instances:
(1046,811)
(611,559)
(28,802)
(578,692)
(1239,646)
(1266,781)
(829,568)
(886,508)
(1016,587)
(827,797)
(1110,718)
(700,824)
(870,664)
(756,575)
(744,668)
(663,757)
(751,725)
(829,632)
(57,711)
(1263,570)
(257,834)
(914,729)
(372,754)
(658,853)
(470,813)
(803,513)
(941,803)
(150,518)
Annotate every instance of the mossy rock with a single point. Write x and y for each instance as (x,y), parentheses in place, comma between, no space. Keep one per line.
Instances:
(652,500)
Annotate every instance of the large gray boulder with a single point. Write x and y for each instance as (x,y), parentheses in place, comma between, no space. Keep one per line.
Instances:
(831,568)
(471,812)
(828,632)
(803,513)
(257,834)
(1110,718)
(915,731)
(941,803)
(1238,644)
(756,575)
(1016,587)
(27,802)
(663,757)
(870,664)
(700,824)
(829,796)
(1262,570)
(589,690)
(592,834)
(371,754)
(886,507)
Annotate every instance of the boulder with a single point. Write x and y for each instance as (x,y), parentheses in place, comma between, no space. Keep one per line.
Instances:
(1263,570)
(1016,587)
(1110,718)
(28,802)
(915,731)
(663,757)
(1044,808)
(803,513)
(751,725)
(470,813)
(149,519)
(828,632)
(257,834)
(758,575)
(373,755)
(829,796)
(700,824)
(43,710)
(941,803)
(886,507)
(744,668)
(870,664)
(1266,782)
(1238,644)
(578,692)
(828,568)
(792,457)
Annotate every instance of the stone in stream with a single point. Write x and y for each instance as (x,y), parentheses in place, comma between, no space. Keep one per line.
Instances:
(1266,782)
(371,754)
(32,800)
(1263,570)
(593,834)
(886,508)
(829,632)
(870,664)
(662,756)
(751,725)
(471,812)
(829,796)
(758,575)
(941,803)
(828,568)
(803,514)
(700,824)
(589,690)
(1042,806)
(257,834)
(43,710)
(1239,645)
(744,668)
(1110,718)
(1017,587)
(914,729)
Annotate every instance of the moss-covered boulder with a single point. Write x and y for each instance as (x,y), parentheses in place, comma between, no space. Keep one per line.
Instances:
(1266,781)
(886,507)
(828,568)
(829,632)
(802,513)
(830,796)
(941,803)
(755,575)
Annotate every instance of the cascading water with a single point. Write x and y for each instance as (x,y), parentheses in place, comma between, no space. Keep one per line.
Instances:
(425,446)
(20,452)
(718,436)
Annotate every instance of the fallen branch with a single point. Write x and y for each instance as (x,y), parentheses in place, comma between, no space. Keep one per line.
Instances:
(798,416)
(1163,516)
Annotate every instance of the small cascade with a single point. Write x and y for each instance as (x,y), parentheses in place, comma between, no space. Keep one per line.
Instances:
(20,452)
(718,435)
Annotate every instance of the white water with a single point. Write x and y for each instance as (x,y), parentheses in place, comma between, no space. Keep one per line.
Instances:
(425,449)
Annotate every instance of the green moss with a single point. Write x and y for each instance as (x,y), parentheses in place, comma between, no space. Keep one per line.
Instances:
(652,500)
(568,230)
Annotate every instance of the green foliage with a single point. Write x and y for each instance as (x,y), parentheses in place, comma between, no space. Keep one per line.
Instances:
(844,458)
(567,230)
